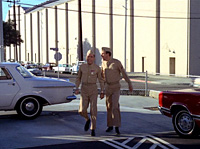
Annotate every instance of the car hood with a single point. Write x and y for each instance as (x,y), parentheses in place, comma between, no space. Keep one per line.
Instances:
(43,82)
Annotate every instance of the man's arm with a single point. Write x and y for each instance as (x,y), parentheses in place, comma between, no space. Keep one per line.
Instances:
(78,80)
(101,81)
(125,76)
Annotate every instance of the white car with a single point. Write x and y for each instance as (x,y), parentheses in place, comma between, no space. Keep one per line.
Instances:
(62,68)
(75,68)
(27,94)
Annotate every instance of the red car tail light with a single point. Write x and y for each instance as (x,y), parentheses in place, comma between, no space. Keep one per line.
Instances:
(160,99)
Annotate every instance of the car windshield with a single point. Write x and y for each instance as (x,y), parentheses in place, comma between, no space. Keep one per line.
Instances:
(80,63)
(24,72)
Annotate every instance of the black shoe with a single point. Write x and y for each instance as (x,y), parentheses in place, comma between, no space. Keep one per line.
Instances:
(117,130)
(87,125)
(92,132)
(109,129)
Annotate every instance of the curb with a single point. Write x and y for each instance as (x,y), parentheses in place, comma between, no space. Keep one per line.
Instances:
(154,94)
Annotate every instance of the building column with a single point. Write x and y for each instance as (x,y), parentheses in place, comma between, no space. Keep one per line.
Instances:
(188,37)
(47,37)
(131,35)
(38,26)
(1,35)
(25,39)
(56,27)
(31,35)
(67,32)
(93,28)
(157,36)
(111,24)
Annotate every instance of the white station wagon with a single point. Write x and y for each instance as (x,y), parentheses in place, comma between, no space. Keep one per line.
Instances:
(27,94)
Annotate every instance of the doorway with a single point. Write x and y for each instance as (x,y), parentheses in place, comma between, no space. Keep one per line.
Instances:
(172,65)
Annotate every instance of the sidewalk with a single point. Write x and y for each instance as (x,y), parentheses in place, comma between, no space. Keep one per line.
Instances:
(155,79)
(161,79)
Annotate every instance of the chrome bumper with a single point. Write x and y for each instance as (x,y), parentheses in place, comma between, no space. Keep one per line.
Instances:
(72,97)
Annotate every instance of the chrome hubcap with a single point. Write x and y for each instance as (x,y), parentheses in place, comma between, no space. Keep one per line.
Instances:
(185,122)
(29,106)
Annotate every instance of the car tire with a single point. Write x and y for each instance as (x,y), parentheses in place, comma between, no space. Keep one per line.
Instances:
(184,124)
(29,108)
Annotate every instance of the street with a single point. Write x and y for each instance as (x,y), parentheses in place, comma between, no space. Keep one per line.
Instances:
(60,126)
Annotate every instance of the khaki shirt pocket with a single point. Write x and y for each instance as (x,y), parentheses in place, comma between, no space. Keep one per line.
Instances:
(92,76)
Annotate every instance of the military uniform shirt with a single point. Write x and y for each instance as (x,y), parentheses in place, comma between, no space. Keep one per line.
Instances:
(112,71)
(88,74)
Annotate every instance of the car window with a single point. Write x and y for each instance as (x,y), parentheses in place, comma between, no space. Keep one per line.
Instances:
(53,65)
(24,72)
(4,75)
(80,63)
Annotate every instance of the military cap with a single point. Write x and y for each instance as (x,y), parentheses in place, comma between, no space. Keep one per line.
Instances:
(90,52)
(106,49)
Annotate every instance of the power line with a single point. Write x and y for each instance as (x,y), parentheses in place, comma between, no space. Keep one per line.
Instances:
(114,14)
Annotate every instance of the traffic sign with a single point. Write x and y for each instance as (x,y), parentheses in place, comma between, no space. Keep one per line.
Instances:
(58,56)
(54,49)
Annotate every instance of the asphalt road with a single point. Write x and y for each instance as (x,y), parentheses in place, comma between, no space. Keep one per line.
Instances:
(60,126)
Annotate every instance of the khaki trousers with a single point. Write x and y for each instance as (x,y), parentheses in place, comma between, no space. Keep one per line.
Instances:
(112,104)
(89,94)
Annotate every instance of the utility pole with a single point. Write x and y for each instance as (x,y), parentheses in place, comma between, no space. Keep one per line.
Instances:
(80,45)
(14,18)
(1,35)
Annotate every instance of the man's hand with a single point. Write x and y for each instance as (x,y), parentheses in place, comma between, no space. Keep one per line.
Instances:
(77,91)
(102,95)
(130,88)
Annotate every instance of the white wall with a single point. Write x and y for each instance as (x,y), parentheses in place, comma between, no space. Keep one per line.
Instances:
(73,30)
(145,35)
(102,24)
(173,36)
(62,32)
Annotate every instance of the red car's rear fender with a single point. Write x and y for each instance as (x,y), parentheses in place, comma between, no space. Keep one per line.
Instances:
(176,106)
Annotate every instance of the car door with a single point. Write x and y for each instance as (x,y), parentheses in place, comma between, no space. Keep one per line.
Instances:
(8,88)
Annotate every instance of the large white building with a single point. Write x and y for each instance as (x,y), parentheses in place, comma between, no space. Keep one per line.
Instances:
(160,36)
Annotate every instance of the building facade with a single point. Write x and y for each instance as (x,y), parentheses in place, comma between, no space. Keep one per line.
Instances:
(158,36)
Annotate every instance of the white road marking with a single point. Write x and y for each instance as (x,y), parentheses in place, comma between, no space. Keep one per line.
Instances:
(164,142)
(156,142)
(111,144)
(128,140)
(139,143)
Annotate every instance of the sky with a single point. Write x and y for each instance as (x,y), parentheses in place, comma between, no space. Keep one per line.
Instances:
(6,5)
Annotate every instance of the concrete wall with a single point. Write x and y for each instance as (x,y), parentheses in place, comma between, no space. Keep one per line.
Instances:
(145,35)
(194,45)
(178,36)
(173,35)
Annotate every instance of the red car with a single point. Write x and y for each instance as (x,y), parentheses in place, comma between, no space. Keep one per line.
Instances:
(48,66)
(184,108)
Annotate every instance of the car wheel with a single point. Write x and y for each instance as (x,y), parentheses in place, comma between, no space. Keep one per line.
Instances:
(184,124)
(29,108)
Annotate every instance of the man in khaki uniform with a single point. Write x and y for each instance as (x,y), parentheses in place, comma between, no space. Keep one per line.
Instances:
(111,72)
(87,77)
